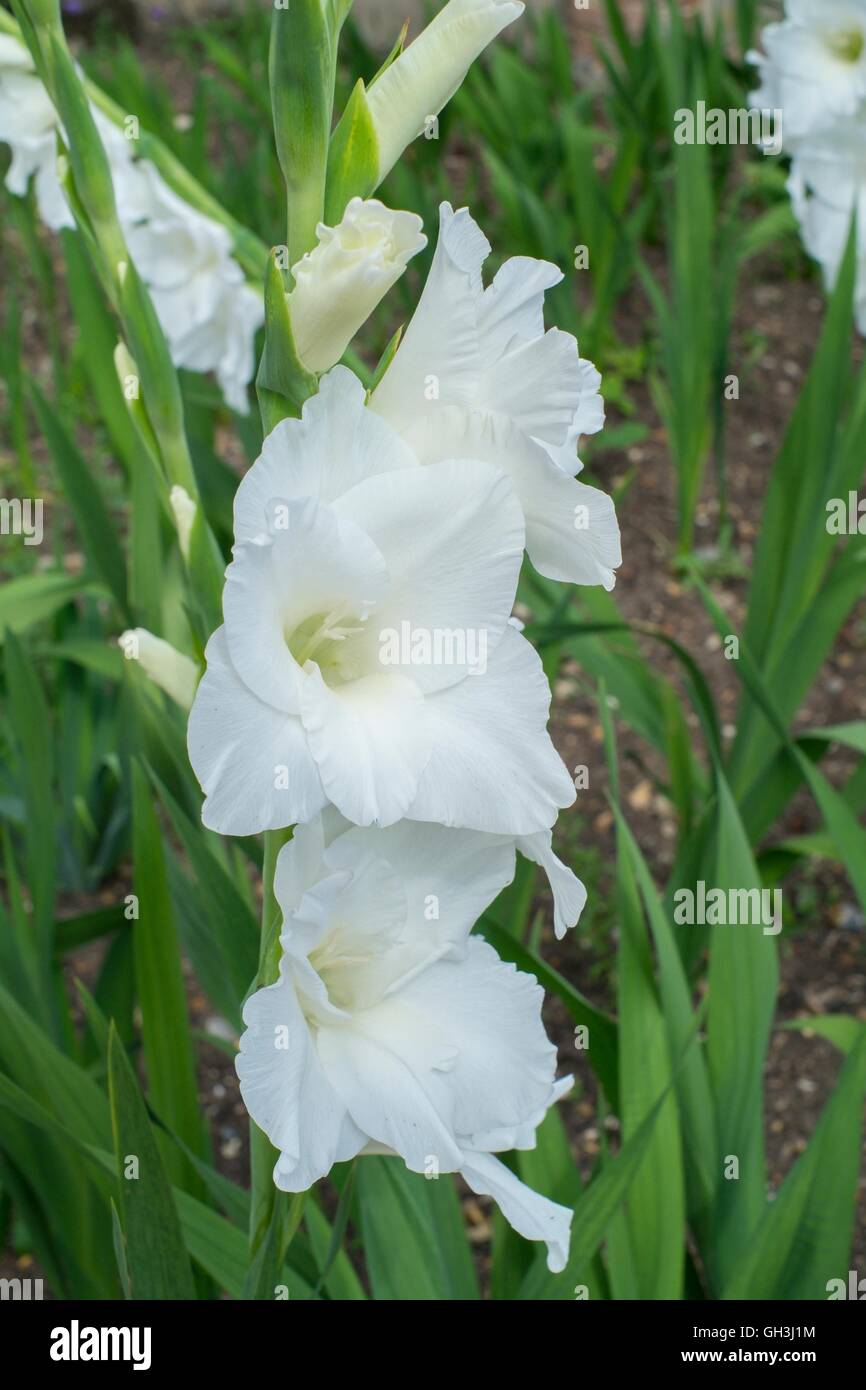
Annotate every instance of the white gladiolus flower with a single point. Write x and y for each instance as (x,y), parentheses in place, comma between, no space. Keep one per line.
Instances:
(28,125)
(814,67)
(339,283)
(391,1029)
(476,375)
(208,312)
(168,668)
(414,88)
(367,659)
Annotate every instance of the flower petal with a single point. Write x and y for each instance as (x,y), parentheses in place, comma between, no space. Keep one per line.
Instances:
(569,894)
(438,359)
(299,864)
(493,766)
(450,876)
(470,1029)
(336,443)
(251,760)
(338,284)
(452,539)
(287,1092)
(512,306)
(536,384)
(316,563)
(383,1097)
(534,1217)
(370,740)
(572,532)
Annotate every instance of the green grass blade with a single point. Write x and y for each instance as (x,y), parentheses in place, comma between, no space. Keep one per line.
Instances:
(168,1049)
(156,1259)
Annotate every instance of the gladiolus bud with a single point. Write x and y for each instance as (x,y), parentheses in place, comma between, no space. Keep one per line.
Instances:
(168,668)
(415,87)
(183,510)
(339,283)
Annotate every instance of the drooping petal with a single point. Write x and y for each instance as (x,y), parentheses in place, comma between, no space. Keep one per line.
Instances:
(534,1217)
(252,760)
(493,766)
(569,894)
(336,444)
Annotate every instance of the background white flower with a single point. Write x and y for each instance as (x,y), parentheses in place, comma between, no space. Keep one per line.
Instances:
(208,312)
(814,67)
(28,125)
(342,536)
(391,1032)
(476,374)
(339,283)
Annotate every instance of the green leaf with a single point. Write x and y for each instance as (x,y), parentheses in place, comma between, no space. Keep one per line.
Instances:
(647,1238)
(841,1030)
(220,1249)
(742,983)
(337,1273)
(98,336)
(32,598)
(804,1240)
(219,930)
(353,157)
(283,382)
(168,1050)
(156,1260)
(31,722)
(414,1241)
(593,1214)
(692,1079)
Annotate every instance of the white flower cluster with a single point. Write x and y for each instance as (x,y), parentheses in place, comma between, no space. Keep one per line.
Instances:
(208,312)
(814,70)
(369,686)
